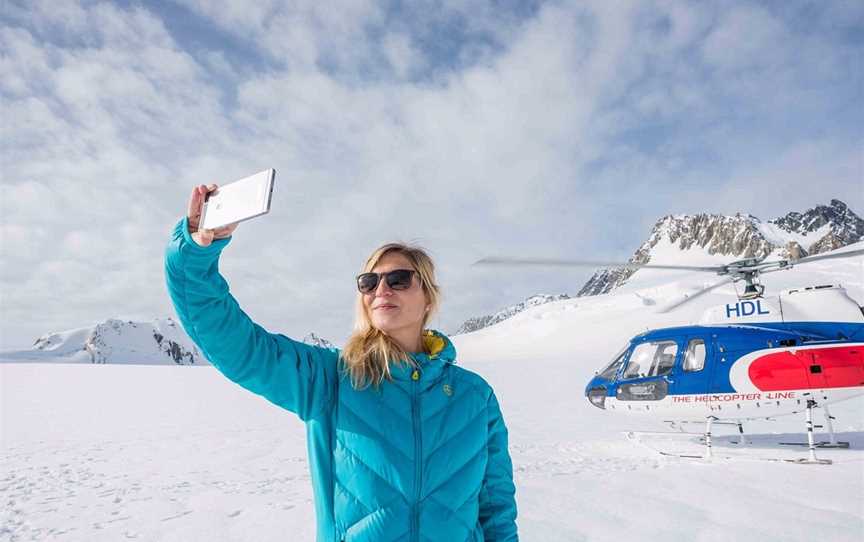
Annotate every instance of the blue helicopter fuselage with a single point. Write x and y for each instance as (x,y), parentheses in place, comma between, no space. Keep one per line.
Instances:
(742,370)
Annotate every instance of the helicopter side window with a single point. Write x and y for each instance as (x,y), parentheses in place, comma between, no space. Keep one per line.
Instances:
(639,360)
(694,358)
(651,359)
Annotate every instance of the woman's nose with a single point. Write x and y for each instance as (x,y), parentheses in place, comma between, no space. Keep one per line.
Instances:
(382,287)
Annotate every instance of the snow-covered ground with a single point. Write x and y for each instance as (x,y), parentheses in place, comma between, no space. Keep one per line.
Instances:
(179,453)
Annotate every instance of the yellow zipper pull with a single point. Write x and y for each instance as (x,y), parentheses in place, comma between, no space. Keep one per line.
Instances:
(415,375)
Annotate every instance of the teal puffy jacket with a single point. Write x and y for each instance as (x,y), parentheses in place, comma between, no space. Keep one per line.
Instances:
(422,458)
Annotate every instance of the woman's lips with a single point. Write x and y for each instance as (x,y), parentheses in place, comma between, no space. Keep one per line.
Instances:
(386,307)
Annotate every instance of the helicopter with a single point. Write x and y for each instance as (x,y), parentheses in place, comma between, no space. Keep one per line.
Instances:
(758,357)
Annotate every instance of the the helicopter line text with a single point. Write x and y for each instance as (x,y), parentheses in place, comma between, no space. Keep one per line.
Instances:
(731,397)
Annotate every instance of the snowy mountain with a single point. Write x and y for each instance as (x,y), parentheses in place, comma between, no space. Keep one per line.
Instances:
(160,342)
(833,226)
(315,340)
(479,322)
(703,237)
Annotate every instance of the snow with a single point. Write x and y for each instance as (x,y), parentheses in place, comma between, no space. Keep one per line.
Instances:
(667,253)
(780,237)
(179,453)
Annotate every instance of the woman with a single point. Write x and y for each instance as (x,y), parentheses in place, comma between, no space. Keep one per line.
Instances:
(403,444)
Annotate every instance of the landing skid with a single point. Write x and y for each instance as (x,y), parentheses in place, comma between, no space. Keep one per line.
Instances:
(823,444)
(832,443)
(710,454)
(634,436)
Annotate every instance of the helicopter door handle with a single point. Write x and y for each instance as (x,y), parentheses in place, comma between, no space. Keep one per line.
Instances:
(669,380)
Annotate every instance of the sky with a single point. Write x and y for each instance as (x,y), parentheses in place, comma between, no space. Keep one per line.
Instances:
(553,129)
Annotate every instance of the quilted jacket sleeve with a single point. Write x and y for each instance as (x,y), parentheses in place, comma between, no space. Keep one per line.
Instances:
(288,373)
(497,495)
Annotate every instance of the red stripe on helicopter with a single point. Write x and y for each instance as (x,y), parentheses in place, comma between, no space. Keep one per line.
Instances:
(812,368)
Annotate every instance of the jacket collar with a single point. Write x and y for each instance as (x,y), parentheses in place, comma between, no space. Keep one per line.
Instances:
(441,353)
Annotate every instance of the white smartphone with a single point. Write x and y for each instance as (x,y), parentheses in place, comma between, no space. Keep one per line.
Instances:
(238,201)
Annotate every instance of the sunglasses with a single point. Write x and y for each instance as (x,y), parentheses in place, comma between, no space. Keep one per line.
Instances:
(398,279)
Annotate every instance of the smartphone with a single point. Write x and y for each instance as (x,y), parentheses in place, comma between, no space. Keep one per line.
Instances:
(238,201)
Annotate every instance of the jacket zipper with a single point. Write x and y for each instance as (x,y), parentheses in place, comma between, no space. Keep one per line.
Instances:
(418,457)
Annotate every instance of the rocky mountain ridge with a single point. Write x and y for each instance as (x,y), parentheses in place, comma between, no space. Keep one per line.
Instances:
(161,341)
(315,340)
(795,235)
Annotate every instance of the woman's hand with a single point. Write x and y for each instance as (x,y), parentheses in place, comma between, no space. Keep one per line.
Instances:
(203,236)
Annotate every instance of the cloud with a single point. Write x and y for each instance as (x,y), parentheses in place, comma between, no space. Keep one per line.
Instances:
(554,129)
(744,38)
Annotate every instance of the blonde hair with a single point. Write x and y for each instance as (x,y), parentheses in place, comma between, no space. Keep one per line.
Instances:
(369,351)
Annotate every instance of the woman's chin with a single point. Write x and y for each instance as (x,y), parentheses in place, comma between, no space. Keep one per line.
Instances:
(388,325)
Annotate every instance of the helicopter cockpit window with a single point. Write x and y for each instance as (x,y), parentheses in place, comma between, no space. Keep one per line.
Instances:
(694,359)
(611,370)
(652,359)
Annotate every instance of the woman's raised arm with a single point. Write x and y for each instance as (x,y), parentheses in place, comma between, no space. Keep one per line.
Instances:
(294,375)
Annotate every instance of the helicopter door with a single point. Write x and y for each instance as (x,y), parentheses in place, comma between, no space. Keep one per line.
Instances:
(647,375)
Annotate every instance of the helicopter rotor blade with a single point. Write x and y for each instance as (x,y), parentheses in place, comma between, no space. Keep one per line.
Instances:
(698,293)
(829,256)
(548,262)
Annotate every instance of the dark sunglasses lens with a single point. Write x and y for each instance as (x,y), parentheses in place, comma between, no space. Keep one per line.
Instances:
(367,282)
(399,279)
